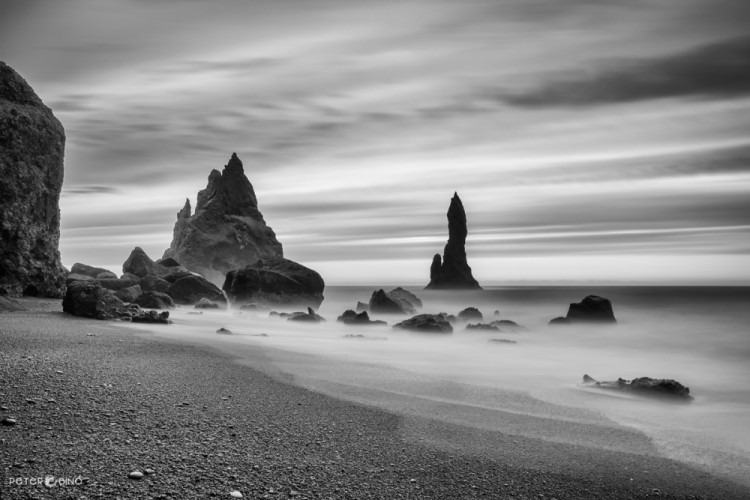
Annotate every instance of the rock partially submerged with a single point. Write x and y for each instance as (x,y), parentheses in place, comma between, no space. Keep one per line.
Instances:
(397,301)
(453,271)
(32,146)
(506,325)
(645,386)
(592,309)
(276,281)
(433,323)
(309,316)
(354,318)
(91,300)
(227,230)
(207,304)
(470,314)
(151,317)
(482,326)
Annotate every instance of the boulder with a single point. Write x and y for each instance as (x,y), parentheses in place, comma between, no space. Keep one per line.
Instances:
(560,320)
(91,300)
(275,281)
(116,284)
(453,271)
(397,301)
(73,277)
(191,289)
(207,304)
(129,294)
(138,263)
(170,274)
(591,309)
(32,146)
(151,317)
(645,386)
(155,300)
(168,262)
(426,323)
(353,318)
(154,284)
(227,231)
(309,316)
(130,276)
(90,271)
(470,314)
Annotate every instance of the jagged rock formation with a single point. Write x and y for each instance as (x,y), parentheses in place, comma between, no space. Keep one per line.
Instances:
(32,146)
(227,231)
(453,271)
(397,301)
(275,281)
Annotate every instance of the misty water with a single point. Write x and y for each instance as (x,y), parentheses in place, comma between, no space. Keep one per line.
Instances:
(696,335)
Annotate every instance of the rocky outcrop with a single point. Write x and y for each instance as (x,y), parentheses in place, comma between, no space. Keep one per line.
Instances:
(453,271)
(645,386)
(592,309)
(191,289)
(227,231)
(138,263)
(32,146)
(397,301)
(275,280)
(310,316)
(432,323)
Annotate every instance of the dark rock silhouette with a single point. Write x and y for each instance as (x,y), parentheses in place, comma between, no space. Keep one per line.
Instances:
(151,317)
(397,301)
(645,386)
(506,325)
(592,309)
(470,314)
(361,306)
(275,280)
(32,146)
(432,323)
(227,231)
(191,289)
(453,271)
(353,318)
(116,284)
(91,271)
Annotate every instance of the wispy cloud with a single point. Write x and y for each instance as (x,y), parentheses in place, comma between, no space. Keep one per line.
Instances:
(714,71)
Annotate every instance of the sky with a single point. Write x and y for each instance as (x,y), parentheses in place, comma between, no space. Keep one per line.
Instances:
(589,140)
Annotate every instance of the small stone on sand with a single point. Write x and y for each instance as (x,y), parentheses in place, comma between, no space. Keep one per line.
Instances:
(137,475)
(8,421)
(235,494)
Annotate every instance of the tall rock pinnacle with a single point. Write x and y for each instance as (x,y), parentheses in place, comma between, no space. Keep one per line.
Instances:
(227,231)
(32,146)
(452,271)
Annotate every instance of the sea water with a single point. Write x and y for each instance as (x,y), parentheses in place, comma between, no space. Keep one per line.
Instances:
(698,336)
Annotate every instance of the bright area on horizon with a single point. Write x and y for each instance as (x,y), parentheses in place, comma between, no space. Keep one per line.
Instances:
(588,140)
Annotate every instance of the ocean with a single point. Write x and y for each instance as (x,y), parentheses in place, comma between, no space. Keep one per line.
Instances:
(698,336)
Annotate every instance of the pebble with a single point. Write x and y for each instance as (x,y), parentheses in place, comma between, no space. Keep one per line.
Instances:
(235,494)
(135,475)
(8,421)
(150,471)
(4,408)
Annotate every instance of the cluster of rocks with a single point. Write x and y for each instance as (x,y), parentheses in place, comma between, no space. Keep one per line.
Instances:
(99,293)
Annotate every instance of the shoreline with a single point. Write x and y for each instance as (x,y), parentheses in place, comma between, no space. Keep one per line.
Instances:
(119,405)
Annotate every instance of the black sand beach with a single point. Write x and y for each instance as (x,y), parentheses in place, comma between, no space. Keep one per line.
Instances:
(96,401)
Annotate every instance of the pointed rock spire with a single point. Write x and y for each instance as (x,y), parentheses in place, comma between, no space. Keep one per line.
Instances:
(454,271)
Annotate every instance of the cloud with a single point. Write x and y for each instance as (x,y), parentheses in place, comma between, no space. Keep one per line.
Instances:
(84,190)
(713,71)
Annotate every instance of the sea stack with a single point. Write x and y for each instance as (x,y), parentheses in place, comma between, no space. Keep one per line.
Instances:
(452,271)
(227,231)
(32,146)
